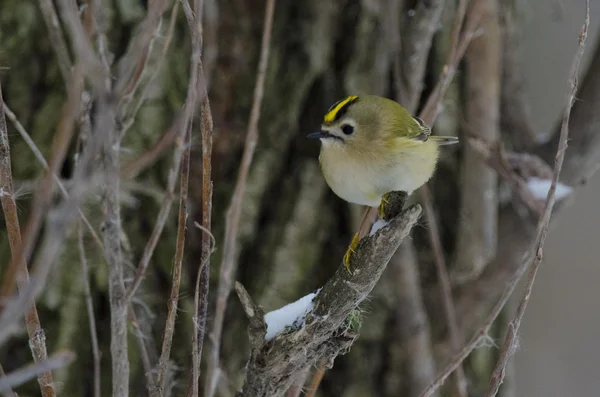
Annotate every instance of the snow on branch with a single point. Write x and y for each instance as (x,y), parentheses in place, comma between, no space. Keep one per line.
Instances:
(330,328)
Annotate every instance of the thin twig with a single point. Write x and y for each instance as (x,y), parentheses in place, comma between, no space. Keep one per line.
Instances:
(40,158)
(197,84)
(133,168)
(43,195)
(509,346)
(22,375)
(234,212)
(144,355)
(163,362)
(163,213)
(8,392)
(57,40)
(459,44)
(146,68)
(444,283)
(90,311)
(37,338)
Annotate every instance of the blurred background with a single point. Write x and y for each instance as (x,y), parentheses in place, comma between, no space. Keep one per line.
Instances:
(558,353)
(293,230)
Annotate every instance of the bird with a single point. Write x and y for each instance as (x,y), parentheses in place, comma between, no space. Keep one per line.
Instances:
(371,146)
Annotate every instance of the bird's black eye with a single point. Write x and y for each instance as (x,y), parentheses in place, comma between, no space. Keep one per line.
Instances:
(347,129)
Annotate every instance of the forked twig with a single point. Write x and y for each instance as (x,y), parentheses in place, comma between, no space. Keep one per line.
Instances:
(234,212)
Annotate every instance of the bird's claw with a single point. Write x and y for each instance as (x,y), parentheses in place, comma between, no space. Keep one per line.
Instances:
(351,250)
(381,208)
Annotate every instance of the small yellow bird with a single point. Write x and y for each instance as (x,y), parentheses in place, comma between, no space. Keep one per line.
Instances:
(372,146)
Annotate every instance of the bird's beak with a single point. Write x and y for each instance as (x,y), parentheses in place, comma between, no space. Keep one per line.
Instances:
(318,135)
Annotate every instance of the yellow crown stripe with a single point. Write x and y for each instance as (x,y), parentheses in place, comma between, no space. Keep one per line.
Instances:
(330,116)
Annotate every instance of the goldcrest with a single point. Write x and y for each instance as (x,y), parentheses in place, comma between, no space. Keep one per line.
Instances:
(372,146)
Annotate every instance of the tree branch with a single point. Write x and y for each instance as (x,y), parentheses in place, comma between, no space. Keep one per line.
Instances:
(274,364)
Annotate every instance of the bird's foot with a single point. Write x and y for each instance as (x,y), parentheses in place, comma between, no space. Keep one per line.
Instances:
(381,208)
(351,250)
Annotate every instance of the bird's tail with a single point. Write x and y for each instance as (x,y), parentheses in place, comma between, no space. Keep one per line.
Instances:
(444,140)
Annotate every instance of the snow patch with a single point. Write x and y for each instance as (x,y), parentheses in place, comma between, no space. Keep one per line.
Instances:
(291,315)
(379,223)
(540,187)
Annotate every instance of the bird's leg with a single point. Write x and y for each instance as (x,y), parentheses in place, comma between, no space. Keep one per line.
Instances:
(355,241)
(381,208)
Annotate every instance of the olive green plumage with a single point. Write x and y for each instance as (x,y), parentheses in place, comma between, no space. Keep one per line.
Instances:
(372,146)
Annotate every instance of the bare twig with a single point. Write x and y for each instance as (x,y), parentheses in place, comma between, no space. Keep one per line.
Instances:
(90,311)
(40,157)
(37,338)
(134,167)
(141,338)
(197,84)
(9,392)
(180,130)
(234,212)
(41,199)
(327,332)
(134,61)
(163,213)
(57,40)
(503,163)
(177,262)
(141,67)
(22,375)
(509,346)
(444,283)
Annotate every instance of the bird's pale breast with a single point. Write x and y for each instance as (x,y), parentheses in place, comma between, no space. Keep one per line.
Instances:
(364,181)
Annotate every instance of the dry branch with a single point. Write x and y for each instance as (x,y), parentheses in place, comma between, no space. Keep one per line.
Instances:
(327,333)
(198,84)
(234,212)
(57,39)
(163,362)
(90,311)
(37,337)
